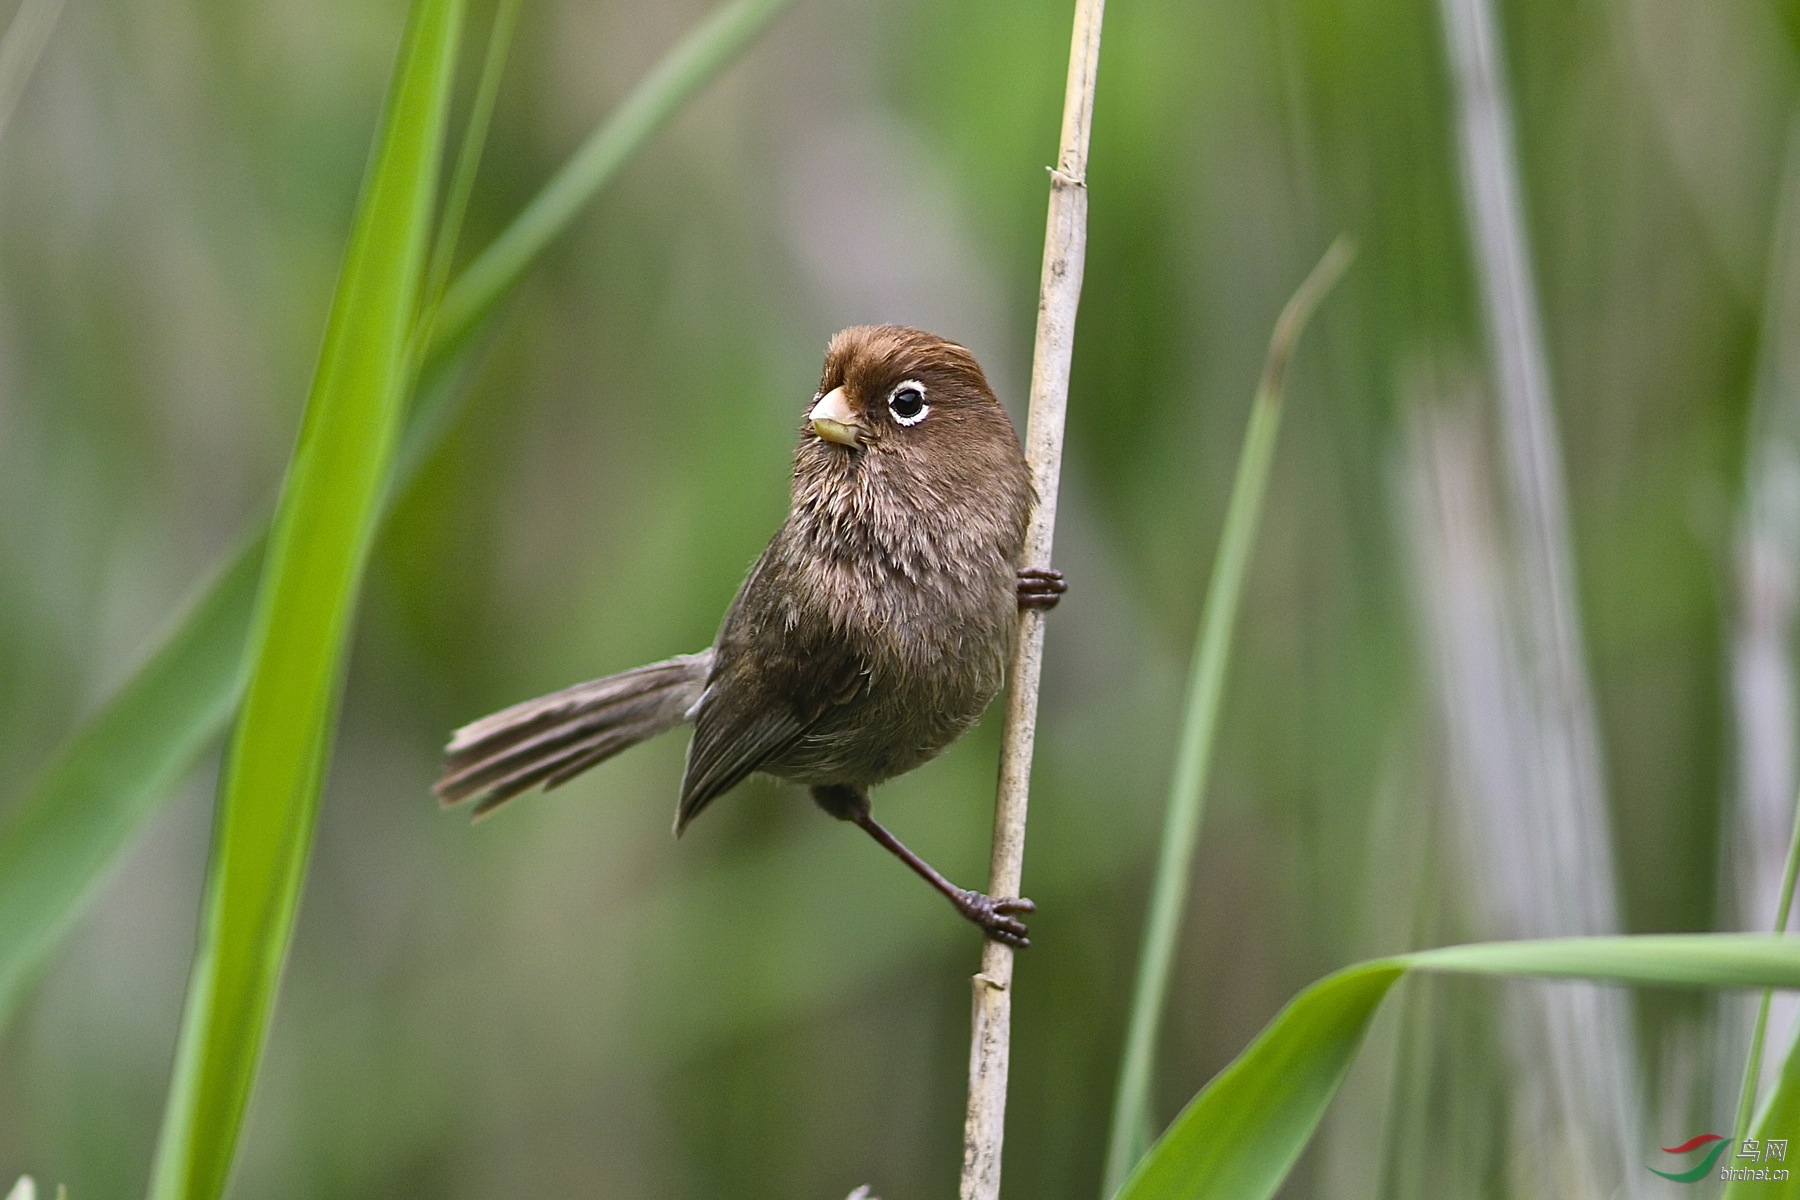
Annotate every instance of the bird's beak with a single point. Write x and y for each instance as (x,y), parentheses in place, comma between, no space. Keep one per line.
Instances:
(832,419)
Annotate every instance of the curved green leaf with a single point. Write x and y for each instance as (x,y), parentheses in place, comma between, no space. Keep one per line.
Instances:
(1779,1118)
(1241,1135)
(312,571)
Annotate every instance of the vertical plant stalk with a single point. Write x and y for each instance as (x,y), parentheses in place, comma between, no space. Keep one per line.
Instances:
(1492,195)
(1753,1062)
(1567,1047)
(462,175)
(1549,814)
(1762,665)
(1494,205)
(1130,1135)
(1059,295)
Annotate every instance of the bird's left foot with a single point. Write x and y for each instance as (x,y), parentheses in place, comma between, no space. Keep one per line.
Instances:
(1041,587)
(996,916)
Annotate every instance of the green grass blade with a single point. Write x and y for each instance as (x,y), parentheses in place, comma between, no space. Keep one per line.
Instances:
(1240,1136)
(1212,655)
(318,546)
(1727,960)
(72,823)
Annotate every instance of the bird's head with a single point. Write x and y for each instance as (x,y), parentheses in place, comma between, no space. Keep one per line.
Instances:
(905,448)
(906,405)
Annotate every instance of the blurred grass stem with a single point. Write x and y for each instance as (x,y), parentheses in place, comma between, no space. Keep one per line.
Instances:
(1545,850)
(1572,785)
(690,66)
(1059,296)
(1130,1135)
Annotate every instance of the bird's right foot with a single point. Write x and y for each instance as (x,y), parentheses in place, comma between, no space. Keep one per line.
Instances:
(1041,587)
(995,916)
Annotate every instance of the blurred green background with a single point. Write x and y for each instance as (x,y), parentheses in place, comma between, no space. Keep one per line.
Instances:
(564,1001)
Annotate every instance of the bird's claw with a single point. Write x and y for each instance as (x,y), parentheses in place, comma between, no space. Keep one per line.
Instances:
(995,916)
(1041,587)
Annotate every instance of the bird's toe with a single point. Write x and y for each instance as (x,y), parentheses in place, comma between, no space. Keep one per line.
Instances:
(996,917)
(1041,587)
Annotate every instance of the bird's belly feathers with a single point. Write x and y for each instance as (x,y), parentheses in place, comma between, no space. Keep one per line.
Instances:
(896,724)
(929,675)
(883,653)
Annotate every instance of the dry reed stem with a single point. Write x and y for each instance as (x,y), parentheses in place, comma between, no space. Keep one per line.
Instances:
(1065,252)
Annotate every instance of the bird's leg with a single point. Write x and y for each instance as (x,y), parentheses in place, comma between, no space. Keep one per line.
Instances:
(995,916)
(1041,587)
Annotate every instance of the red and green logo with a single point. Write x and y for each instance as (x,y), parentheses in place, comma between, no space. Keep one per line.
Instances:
(1718,1143)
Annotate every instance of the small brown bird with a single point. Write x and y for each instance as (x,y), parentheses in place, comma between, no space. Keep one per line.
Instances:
(872,632)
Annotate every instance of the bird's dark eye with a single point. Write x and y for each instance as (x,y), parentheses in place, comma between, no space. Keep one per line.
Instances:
(907,403)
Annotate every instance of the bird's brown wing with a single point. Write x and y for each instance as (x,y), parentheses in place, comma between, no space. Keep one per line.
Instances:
(755,708)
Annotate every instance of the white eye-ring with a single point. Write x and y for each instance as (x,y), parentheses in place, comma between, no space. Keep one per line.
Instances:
(907,403)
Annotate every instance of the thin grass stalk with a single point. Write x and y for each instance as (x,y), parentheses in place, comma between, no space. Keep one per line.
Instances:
(1753,1062)
(75,820)
(1059,296)
(436,371)
(682,72)
(1130,1135)
(468,166)
(1762,666)
(1776,1118)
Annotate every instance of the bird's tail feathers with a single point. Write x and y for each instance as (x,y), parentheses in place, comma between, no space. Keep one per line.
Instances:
(554,738)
